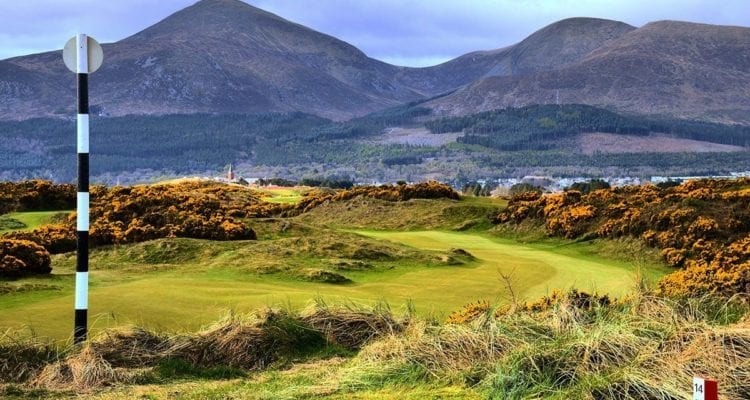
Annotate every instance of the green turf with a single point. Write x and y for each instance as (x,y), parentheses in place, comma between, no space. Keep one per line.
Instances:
(283,195)
(320,379)
(535,269)
(181,284)
(31,220)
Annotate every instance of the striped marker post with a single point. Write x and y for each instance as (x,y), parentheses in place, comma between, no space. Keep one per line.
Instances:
(82,55)
(82,204)
(705,389)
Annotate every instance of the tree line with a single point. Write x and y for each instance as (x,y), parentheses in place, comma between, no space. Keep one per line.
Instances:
(535,127)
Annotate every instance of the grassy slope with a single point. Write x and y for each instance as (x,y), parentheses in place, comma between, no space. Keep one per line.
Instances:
(283,195)
(468,214)
(181,284)
(32,219)
(534,269)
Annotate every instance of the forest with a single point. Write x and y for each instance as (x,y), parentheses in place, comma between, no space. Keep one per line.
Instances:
(537,127)
(296,146)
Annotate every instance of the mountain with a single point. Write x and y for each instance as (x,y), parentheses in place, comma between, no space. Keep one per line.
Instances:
(666,67)
(225,56)
(550,48)
(214,56)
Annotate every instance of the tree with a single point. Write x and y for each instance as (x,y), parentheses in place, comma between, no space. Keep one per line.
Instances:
(519,188)
(590,186)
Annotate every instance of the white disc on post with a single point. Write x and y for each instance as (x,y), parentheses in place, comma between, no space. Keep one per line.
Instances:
(95,59)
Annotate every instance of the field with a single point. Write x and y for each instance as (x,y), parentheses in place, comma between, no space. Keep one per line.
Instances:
(284,195)
(26,221)
(182,284)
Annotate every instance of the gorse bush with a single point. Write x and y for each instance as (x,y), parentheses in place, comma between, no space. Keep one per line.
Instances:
(22,257)
(140,213)
(36,195)
(55,238)
(198,209)
(702,227)
(193,210)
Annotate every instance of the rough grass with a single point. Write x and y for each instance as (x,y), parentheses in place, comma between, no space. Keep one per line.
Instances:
(249,342)
(416,214)
(646,348)
(617,352)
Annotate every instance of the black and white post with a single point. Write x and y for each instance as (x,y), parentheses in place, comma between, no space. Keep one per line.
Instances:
(82,204)
(82,55)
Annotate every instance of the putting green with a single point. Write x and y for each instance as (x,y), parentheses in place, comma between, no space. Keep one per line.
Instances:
(184,297)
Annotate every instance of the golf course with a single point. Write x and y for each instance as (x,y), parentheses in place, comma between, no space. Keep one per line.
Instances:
(203,290)
(182,284)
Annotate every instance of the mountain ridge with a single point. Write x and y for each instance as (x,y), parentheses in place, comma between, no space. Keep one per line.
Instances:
(676,68)
(220,56)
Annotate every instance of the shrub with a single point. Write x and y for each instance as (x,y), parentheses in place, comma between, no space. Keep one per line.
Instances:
(22,257)
(697,226)
(55,238)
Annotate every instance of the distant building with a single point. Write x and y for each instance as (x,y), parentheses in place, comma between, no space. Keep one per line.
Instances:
(230,174)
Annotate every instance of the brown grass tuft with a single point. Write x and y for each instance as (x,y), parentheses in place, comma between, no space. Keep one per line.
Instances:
(131,348)
(22,358)
(84,370)
(252,343)
(349,327)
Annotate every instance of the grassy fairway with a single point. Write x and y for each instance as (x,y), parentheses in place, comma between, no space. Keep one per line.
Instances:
(210,278)
(31,220)
(284,195)
(535,269)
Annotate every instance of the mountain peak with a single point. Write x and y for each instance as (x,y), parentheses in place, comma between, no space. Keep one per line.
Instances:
(564,42)
(228,56)
(214,18)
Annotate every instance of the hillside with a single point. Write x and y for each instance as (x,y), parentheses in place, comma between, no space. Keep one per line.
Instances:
(550,48)
(214,56)
(666,67)
(534,140)
(225,56)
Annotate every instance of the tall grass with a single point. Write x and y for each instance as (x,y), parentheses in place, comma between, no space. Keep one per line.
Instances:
(645,347)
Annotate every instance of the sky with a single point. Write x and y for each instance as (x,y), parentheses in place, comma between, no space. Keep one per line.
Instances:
(402,32)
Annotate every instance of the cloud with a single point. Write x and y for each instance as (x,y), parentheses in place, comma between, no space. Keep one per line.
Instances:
(408,33)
